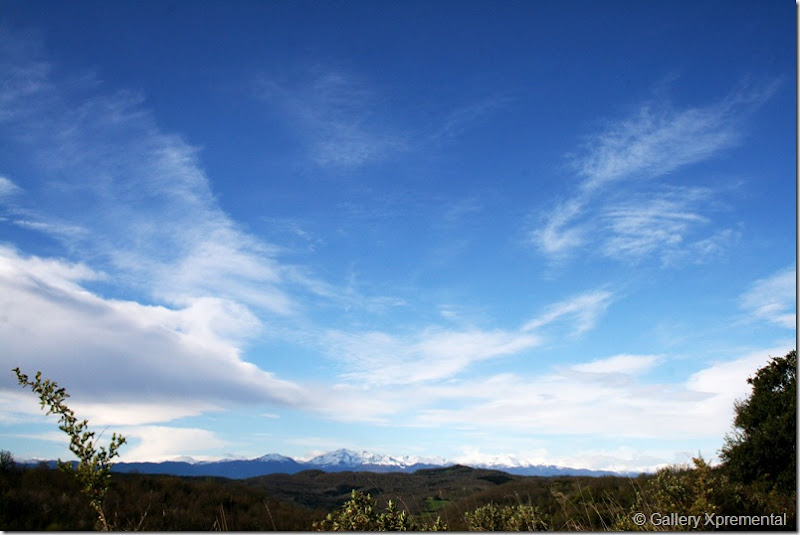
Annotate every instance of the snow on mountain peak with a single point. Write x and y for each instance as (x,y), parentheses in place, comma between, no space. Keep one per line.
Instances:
(275,457)
(491,461)
(184,459)
(342,457)
(345,457)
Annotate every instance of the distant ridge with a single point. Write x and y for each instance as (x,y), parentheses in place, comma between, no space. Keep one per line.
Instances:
(341,460)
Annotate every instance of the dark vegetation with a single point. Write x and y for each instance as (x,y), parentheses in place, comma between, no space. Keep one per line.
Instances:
(462,498)
(757,478)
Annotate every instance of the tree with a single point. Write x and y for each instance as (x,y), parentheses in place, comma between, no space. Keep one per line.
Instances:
(763,447)
(7,462)
(94,464)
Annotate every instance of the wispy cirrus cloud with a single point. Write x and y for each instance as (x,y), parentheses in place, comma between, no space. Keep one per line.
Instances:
(773,298)
(668,223)
(377,358)
(657,223)
(617,204)
(8,188)
(134,205)
(655,143)
(582,310)
(463,118)
(435,353)
(100,177)
(338,115)
(561,234)
(110,185)
(347,122)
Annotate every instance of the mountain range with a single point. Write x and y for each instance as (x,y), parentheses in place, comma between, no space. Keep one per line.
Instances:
(341,460)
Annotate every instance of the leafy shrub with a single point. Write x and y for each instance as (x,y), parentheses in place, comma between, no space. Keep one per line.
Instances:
(94,466)
(683,491)
(490,517)
(360,513)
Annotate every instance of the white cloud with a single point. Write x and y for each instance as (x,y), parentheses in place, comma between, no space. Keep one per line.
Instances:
(627,364)
(8,188)
(378,358)
(434,353)
(728,378)
(118,192)
(162,443)
(660,222)
(583,309)
(134,203)
(619,213)
(725,383)
(57,229)
(652,224)
(129,412)
(55,274)
(773,298)
(560,235)
(620,459)
(148,443)
(571,401)
(122,361)
(17,406)
(656,142)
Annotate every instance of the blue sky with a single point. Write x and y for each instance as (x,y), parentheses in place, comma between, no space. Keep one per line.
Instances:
(561,231)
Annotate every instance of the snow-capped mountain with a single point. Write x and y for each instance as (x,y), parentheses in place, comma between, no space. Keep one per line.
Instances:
(344,459)
(274,457)
(340,461)
(350,458)
(508,461)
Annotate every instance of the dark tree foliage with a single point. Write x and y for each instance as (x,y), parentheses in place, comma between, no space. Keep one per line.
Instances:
(763,447)
(40,498)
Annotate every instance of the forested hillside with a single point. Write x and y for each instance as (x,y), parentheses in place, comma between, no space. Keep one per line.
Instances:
(45,499)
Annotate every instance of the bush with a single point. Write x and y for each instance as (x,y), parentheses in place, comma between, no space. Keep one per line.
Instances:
(94,465)
(507,518)
(360,513)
